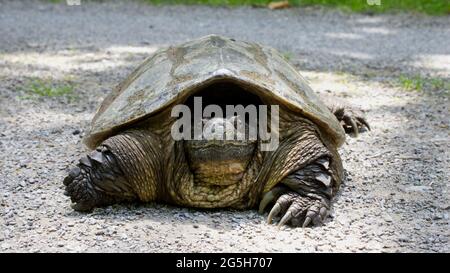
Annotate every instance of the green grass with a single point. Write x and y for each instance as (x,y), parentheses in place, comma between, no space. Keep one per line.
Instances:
(419,83)
(47,88)
(432,7)
(438,84)
(288,55)
(415,83)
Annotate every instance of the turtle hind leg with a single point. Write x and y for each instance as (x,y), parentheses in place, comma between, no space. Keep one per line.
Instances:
(351,118)
(96,181)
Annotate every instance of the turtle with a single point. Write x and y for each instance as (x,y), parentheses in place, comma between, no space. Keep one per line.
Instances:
(136,157)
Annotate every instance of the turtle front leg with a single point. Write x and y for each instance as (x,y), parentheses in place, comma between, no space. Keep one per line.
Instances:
(97,180)
(123,168)
(298,210)
(303,198)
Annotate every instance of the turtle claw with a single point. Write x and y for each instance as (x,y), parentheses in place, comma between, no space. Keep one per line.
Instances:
(273,212)
(352,120)
(363,122)
(314,215)
(78,191)
(287,217)
(270,197)
(307,222)
(298,210)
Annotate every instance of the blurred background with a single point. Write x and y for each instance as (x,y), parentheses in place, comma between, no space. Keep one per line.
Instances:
(436,7)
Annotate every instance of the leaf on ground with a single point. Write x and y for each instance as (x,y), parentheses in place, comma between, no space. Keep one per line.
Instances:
(278,5)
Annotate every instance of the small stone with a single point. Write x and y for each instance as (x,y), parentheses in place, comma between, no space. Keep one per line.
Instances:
(5,246)
(387,218)
(418,189)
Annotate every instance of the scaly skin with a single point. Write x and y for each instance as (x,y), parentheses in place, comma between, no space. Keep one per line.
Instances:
(97,180)
(145,164)
(303,197)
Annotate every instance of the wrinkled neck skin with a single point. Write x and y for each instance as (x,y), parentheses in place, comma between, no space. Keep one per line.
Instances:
(220,154)
(212,172)
(230,173)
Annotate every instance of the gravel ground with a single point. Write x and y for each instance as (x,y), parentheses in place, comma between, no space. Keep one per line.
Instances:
(396,196)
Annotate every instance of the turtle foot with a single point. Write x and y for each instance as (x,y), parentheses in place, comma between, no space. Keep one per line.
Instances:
(95,181)
(352,120)
(297,210)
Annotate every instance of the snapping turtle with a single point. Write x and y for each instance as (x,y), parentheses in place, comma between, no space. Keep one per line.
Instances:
(136,156)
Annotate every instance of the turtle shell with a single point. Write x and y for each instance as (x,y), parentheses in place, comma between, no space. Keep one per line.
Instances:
(172,74)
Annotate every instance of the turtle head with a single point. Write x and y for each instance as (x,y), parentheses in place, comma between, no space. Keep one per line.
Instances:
(224,141)
(221,154)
